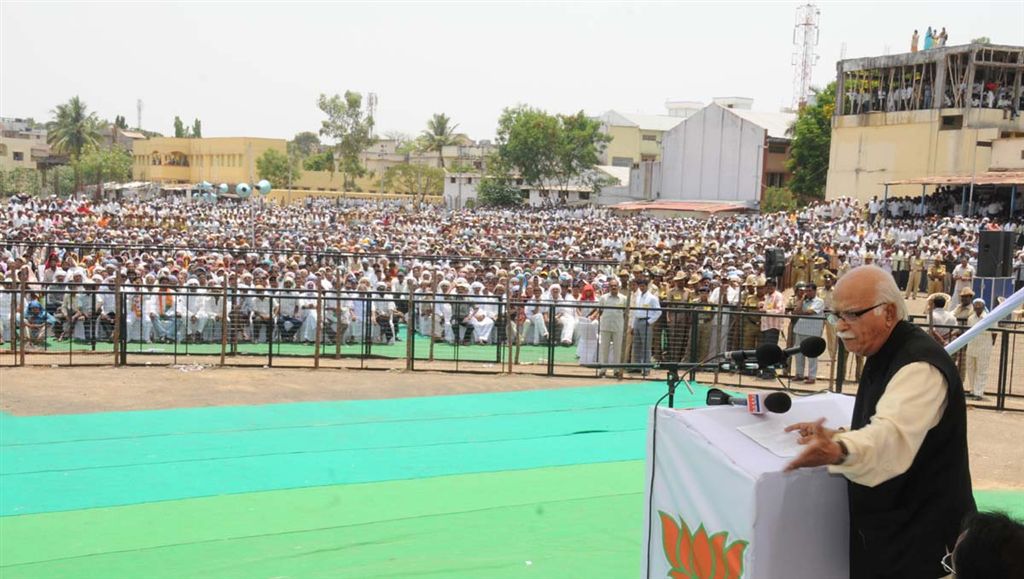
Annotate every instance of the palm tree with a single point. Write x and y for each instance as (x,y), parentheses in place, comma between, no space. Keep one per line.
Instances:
(439,134)
(73,131)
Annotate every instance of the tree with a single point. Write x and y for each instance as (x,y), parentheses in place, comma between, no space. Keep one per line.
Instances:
(114,164)
(981,40)
(320,162)
(351,128)
(120,123)
(548,152)
(498,190)
(20,180)
(812,137)
(439,134)
(306,144)
(414,179)
(180,132)
(197,129)
(278,168)
(777,199)
(73,131)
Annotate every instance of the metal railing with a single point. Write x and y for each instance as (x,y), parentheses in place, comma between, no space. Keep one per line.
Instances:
(129,325)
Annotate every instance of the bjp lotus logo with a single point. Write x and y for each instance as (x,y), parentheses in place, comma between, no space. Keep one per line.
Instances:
(697,555)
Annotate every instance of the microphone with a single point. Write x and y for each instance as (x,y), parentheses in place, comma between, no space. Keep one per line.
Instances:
(771,354)
(766,355)
(810,347)
(756,402)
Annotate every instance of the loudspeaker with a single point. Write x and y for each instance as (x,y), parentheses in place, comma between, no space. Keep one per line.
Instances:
(995,253)
(774,263)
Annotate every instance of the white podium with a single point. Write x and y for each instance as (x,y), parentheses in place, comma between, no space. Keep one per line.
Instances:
(722,507)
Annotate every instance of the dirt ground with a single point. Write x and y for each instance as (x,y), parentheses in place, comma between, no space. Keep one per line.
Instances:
(994,437)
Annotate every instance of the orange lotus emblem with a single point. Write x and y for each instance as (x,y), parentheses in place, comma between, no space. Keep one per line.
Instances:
(700,556)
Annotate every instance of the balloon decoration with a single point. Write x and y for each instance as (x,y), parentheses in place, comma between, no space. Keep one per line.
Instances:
(223,188)
(264,187)
(205,186)
(243,190)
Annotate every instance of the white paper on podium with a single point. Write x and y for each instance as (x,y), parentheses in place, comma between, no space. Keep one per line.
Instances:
(772,435)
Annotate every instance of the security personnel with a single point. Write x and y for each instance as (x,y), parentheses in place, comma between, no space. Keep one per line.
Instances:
(936,277)
(751,323)
(914,283)
(676,320)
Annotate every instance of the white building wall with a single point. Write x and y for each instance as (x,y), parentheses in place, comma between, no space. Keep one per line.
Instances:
(460,188)
(714,155)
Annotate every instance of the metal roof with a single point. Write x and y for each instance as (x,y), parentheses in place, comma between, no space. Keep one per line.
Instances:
(644,122)
(776,124)
(693,206)
(986,178)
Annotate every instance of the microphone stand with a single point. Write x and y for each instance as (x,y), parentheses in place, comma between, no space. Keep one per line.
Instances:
(674,370)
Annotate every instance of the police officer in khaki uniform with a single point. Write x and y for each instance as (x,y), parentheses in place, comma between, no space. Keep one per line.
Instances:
(798,267)
(676,320)
(914,283)
(825,293)
(936,277)
(818,275)
(810,262)
(701,302)
(751,323)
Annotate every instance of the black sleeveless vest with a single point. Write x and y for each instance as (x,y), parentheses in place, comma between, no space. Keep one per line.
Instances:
(902,527)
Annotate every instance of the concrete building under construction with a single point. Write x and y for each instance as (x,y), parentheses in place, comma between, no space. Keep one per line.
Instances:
(940,112)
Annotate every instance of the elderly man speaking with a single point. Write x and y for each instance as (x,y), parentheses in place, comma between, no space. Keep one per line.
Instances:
(905,456)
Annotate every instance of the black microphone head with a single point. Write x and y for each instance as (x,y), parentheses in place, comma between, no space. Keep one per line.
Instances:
(716,397)
(768,355)
(812,347)
(777,402)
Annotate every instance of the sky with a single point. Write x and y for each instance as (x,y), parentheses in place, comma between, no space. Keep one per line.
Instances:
(256,69)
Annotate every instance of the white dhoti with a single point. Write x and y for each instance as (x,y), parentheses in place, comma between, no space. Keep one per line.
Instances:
(195,323)
(568,328)
(586,348)
(535,330)
(307,329)
(482,328)
(979,354)
(140,328)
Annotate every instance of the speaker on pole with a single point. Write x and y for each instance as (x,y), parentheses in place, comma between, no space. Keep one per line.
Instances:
(995,253)
(774,263)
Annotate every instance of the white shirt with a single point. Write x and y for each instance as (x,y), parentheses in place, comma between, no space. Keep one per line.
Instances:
(912,404)
(647,306)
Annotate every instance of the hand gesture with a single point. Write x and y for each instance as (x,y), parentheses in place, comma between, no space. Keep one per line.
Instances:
(821,450)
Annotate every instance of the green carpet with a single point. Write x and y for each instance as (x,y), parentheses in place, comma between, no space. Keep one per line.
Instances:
(569,521)
(422,350)
(57,463)
(545,483)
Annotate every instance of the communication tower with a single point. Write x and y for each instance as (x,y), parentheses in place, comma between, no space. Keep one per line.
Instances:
(805,39)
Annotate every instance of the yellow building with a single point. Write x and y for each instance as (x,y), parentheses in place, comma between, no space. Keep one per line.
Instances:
(217,160)
(635,138)
(901,117)
(21,145)
(230,160)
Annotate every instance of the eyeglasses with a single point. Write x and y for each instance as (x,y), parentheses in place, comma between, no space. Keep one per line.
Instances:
(947,563)
(851,315)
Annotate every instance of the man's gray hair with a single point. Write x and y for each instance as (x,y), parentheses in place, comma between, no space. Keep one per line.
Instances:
(889,293)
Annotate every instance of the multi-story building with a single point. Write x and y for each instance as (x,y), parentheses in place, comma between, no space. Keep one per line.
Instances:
(950,111)
(22,145)
(634,137)
(170,160)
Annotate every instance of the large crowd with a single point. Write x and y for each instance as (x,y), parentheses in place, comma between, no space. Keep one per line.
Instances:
(481,268)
